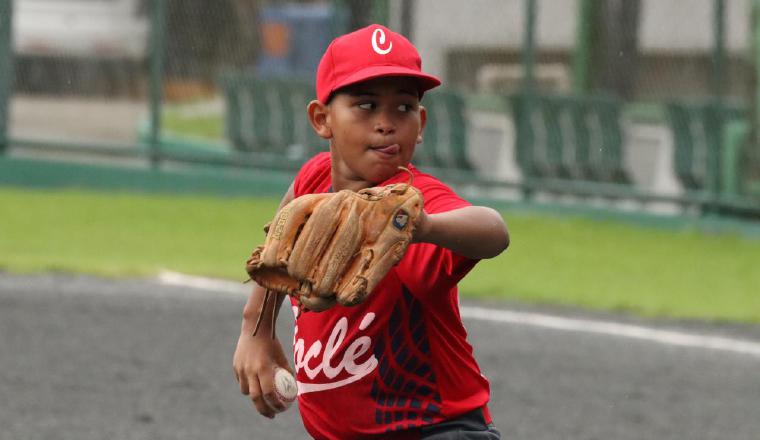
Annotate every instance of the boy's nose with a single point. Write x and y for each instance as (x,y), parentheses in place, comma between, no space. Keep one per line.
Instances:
(384,126)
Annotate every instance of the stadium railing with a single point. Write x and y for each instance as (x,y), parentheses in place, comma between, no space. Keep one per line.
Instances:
(563,145)
(708,136)
(268,115)
(567,137)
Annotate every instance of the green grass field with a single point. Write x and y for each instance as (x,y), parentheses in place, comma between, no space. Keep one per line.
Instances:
(204,126)
(593,264)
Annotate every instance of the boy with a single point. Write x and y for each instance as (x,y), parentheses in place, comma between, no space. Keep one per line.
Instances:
(397,365)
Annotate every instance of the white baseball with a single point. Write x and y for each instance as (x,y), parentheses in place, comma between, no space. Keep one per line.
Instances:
(285,386)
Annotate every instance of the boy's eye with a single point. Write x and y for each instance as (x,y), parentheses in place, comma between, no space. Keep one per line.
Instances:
(405,108)
(366,106)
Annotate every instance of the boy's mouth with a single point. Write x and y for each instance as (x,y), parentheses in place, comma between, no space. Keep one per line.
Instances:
(388,150)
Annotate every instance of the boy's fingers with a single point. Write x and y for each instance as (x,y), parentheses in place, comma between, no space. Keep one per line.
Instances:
(242,379)
(266,382)
(254,391)
(243,382)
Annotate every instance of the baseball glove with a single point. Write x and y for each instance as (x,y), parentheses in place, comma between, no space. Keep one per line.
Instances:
(324,249)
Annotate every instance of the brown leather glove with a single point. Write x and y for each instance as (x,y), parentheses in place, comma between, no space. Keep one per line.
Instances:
(336,247)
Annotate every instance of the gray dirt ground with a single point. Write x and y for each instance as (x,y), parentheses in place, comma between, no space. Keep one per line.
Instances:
(86,358)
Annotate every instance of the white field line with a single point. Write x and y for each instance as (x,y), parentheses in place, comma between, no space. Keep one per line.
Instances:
(666,337)
(201,283)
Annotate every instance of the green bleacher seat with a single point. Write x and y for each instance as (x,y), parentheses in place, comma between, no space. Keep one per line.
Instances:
(445,138)
(567,137)
(697,129)
(269,115)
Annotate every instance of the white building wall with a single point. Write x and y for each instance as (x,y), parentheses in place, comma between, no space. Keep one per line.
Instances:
(441,25)
(687,25)
(665,26)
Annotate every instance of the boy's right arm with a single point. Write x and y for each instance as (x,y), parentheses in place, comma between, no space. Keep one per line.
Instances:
(257,356)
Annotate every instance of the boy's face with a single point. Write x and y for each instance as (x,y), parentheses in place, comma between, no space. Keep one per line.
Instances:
(374,128)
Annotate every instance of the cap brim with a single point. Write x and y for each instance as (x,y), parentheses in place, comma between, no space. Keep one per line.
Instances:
(425,81)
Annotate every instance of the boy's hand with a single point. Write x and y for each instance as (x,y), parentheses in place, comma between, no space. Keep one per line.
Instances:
(254,363)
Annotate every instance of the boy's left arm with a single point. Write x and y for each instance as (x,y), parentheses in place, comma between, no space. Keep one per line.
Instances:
(475,232)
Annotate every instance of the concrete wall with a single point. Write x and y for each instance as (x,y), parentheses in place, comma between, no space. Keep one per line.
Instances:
(441,25)
(687,25)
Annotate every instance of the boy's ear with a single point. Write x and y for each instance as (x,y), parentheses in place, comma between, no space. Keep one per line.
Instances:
(318,113)
(423,121)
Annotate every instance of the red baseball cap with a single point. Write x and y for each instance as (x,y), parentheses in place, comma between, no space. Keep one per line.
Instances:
(371,52)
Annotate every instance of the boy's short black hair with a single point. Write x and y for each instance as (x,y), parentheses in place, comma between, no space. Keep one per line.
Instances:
(420,94)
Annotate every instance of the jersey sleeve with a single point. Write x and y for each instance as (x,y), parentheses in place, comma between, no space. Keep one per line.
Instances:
(314,175)
(426,268)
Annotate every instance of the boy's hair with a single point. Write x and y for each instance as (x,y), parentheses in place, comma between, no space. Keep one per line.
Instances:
(344,90)
(371,52)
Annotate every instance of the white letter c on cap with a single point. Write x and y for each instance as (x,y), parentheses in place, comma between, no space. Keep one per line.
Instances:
(375,40)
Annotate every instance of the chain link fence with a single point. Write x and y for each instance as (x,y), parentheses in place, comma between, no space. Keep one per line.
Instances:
(75,75)
(642,99)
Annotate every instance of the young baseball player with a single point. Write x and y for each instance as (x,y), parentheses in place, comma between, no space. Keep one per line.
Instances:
(399,364)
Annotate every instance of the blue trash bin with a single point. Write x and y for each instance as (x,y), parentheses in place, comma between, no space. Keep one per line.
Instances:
(294,37)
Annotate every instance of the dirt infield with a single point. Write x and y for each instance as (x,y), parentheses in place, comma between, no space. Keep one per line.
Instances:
(88,358)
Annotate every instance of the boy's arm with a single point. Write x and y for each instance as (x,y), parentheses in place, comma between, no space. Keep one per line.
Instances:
(257,356)
(475,232)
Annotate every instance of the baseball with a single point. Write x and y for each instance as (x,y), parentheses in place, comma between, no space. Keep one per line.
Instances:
(285,386)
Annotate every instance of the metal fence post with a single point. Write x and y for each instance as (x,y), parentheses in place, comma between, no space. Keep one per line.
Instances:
(529,44)
(528,96)
(6,68)
(407,19)
(583,41)
(719,48)
(379,12)
(157,59)
(754,147)
(341,17)
(716,111)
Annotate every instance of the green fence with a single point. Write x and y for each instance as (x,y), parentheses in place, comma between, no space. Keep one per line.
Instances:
(582,137)
(706,152)
(564,144)
(269,115)
(445,141)
(228,86)
(6,68)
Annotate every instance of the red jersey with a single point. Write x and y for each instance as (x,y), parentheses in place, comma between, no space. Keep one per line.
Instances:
(401,359)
